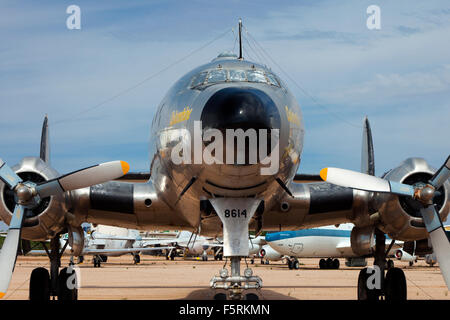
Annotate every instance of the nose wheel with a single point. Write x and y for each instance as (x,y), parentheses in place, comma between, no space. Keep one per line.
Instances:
(236,284)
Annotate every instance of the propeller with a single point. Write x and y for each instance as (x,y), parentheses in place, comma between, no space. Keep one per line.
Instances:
(423,193)
(28,195)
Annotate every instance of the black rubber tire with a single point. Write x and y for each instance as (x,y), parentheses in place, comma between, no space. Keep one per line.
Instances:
(290,264)
(220,296)
(395,287)
(322,264)
(365,293)
(65,293)
(329,263)
(103,258)
(296,265)
(137,259)
(251,296)
(80,259)
(39,285)
(336,264)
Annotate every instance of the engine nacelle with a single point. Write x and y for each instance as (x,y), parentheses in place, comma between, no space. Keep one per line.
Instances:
(267,252)
(400,216)
(363,240)
(45,220)
(76,240)
(404,256)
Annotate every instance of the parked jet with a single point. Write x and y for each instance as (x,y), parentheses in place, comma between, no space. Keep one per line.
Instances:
(103,241)
(224,189)
(191,244)
(328,243)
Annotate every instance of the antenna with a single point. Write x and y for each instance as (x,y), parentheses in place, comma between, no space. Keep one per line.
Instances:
(240,39)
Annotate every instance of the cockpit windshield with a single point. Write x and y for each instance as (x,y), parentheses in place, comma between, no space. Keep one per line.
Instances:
(233,75)
(256,76)
(217,76)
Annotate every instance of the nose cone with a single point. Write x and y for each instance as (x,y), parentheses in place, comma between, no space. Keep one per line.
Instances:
(240,108)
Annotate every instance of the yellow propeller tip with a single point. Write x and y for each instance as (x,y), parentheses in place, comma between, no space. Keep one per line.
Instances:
(2,294)
(323,174)
(125,167)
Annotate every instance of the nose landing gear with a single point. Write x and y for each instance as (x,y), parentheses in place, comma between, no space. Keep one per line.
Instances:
(235,214)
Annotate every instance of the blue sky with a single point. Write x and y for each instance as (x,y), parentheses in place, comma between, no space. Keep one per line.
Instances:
(398,76)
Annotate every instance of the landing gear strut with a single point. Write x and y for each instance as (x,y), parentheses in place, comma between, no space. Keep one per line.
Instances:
(61,284)
(373,284)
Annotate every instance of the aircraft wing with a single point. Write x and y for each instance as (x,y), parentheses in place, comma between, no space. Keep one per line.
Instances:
(118,251)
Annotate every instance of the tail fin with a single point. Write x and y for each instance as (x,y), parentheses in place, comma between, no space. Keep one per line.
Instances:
(367,154)
(45,142)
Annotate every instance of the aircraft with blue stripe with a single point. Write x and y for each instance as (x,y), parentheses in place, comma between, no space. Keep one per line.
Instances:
(328,242)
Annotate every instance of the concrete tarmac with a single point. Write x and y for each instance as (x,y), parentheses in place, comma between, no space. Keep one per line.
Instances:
(157,278)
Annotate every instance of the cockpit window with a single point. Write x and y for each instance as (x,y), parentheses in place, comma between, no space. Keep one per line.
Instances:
(233,75)
(237,75)
(198,79)
(217,76)
(256,76)
(272,79)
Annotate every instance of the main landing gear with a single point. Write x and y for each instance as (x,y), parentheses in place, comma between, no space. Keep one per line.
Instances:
(329,263)
(293,264)
(58,283)
(373,284)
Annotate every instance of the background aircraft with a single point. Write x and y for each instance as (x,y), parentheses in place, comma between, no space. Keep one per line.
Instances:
(103,241)
(330,242)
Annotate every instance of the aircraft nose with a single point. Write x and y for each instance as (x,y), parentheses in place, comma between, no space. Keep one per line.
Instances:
(240,108)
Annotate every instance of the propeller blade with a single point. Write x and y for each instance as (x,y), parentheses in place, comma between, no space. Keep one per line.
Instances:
(83,178)
(8,176)
(362,181)
(439,240)
(8,252)
(441,175)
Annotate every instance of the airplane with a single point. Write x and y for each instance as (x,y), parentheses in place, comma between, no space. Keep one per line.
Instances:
(191,243)
(330,242)
(200,184)
(103,241)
